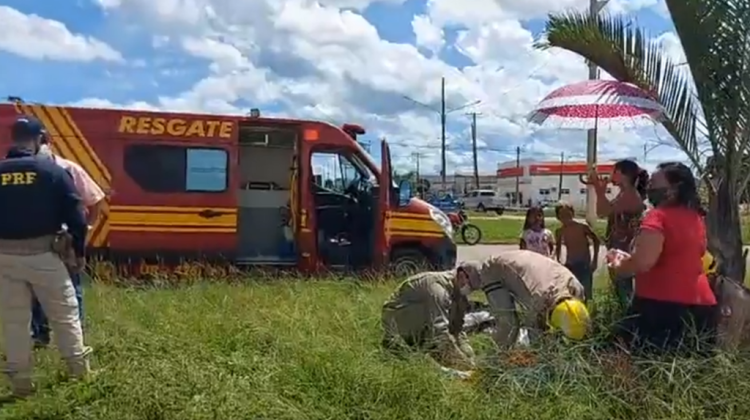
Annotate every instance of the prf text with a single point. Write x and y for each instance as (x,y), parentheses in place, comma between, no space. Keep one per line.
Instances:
(175,127)
(17,178)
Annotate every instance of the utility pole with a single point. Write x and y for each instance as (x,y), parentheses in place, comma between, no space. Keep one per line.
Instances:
(443,112)
(595,6)
(560,181)
(474,148)
(443,121)
(419,184)
(516,200)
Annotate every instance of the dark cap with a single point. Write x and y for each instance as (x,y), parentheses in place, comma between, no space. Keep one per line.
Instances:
(26,127)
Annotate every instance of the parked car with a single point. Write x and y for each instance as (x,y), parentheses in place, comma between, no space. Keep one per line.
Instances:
(484,200)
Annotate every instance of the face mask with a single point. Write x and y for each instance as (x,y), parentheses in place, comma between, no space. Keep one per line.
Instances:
(657,195)
(44,151)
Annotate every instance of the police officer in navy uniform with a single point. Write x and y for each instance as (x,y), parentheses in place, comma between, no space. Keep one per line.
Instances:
(37,198)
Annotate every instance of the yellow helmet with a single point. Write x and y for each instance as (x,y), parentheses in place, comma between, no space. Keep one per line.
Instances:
(571,317)
(710,265)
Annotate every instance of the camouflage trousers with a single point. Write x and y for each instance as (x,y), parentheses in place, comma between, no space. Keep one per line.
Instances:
(408,327)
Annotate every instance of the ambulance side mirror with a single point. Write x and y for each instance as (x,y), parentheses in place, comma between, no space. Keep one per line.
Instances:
(404,192)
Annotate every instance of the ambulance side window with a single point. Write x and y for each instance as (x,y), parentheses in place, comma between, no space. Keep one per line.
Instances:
(177,169)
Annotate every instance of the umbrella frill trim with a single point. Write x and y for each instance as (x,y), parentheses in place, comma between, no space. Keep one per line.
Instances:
(599,100)
(573,123)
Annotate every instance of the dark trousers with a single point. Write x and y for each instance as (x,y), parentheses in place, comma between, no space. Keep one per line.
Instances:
(668,327)
(39,322)
(581,269)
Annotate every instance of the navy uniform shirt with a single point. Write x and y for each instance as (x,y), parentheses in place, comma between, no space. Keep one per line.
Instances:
(37,197)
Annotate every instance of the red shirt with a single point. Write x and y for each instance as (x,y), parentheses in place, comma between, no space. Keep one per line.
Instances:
(678,274)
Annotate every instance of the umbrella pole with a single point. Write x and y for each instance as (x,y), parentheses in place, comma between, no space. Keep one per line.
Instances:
(591,146)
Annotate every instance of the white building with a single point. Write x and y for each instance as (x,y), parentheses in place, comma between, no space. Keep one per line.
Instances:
(547,182)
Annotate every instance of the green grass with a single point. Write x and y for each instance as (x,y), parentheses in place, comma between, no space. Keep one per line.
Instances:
(507,229)
(504,230)
(290,349)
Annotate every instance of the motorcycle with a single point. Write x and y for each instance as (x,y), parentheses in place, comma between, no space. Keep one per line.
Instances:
(470,233)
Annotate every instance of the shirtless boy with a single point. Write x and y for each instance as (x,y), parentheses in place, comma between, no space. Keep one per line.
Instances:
(577,238)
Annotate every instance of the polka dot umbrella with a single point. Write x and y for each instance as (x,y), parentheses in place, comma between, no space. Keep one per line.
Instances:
(593,105)
(597,104)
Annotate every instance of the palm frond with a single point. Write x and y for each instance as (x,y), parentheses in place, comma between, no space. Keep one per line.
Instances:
(714,35)
(629,55)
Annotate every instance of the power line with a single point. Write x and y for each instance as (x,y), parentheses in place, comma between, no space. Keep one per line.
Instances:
(443,112)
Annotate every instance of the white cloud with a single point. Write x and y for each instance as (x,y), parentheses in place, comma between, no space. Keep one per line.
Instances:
(428,35)
(672,46)
(325,60)
(35,37)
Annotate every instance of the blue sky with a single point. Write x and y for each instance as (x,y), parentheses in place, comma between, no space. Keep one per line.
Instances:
(335,60)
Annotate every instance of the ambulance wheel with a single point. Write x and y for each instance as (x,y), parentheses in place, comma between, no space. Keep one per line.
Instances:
(405,262)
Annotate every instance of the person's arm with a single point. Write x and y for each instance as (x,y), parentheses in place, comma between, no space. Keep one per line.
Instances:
(648,245)
(446,350)
(503,309)
(596,243)
(522,242)
(458,309)
(71,208)
(558,243)
(604,207)
(91,194)
(550,241)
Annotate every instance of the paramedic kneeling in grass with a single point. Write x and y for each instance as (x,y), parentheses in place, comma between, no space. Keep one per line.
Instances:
(674,306)
(426,313)
(549,296)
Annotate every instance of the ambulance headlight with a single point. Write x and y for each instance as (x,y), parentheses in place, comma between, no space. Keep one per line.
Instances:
(442,219)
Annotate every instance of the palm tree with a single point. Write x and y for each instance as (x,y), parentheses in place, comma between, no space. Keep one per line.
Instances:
(706,98)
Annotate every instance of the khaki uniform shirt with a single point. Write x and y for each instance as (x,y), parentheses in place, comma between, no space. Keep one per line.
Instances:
(522,287)
(424,312)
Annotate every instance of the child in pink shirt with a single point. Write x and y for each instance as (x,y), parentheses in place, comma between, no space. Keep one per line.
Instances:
(535,237)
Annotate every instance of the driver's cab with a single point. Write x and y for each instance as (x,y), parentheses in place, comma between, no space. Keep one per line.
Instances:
(353,217)
(345,194)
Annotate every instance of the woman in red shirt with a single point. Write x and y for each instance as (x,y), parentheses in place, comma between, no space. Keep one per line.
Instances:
(673,305)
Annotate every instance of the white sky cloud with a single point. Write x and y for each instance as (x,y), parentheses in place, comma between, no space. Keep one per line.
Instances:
(428,35)
(325,60)
(35,37)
